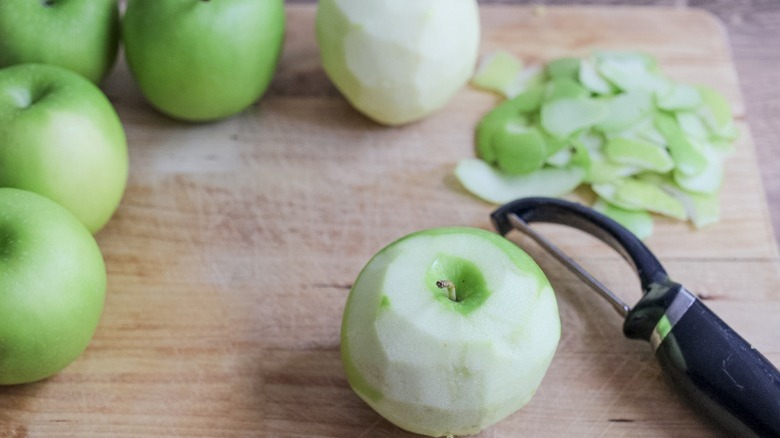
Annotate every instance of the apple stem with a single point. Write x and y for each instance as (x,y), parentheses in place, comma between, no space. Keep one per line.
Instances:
(450,286)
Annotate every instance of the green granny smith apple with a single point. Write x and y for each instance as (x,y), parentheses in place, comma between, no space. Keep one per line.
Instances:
(449,330)
(61,137)
(52,286)
(201,60)
(398,61)
(81,35)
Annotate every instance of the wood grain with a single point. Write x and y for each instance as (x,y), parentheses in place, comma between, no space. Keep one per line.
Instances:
(232,254)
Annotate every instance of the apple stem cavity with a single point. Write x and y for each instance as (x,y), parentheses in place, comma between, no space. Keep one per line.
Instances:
(450,286)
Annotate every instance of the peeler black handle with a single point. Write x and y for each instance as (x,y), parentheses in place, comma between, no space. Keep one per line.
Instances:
(718,369)
(704,357)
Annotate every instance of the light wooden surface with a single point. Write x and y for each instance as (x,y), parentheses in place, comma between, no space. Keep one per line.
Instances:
(231,256)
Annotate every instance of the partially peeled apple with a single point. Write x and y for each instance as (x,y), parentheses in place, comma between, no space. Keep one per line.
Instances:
(398,61)
(448,331)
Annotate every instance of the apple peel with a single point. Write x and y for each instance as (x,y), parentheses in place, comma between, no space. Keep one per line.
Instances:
(614,117)
(638,222)
(489,184)
(498,73)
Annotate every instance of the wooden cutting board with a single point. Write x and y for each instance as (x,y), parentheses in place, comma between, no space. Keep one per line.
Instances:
(232,254)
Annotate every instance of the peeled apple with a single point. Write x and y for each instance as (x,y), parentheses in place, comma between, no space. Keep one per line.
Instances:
(398,61)
(449,330)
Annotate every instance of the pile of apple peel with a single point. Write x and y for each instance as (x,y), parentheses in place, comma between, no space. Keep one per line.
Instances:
(644,143)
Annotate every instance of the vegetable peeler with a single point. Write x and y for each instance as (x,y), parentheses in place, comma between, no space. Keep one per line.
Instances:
(715,367)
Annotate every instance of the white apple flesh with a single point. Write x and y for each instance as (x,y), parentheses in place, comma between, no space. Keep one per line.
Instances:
(440,367)
(398,61)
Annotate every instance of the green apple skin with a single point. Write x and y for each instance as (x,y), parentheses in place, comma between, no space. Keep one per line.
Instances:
(52,287)
(61,137)
(198,60)
(437,367)
(398,62)
(80,35)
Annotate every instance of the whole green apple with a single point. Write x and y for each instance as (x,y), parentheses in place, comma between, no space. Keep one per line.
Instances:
(201,60)
(52,287)
(80,35)
(61,137)
(449,330)
(397,62)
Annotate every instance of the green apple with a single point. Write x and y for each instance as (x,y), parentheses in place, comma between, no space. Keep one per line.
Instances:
(61,137)
(81,35)
(52,287)
(397,62)
(449,330)
(201,60)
